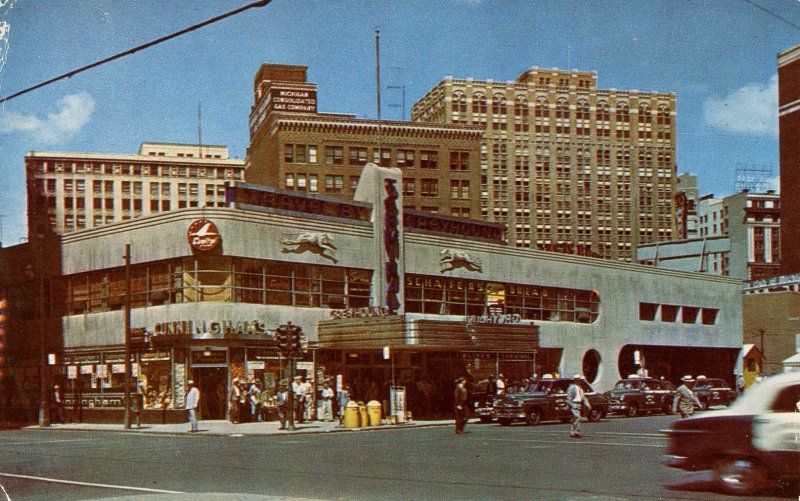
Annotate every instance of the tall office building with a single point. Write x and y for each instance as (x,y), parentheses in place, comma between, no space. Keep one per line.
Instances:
(72,191)
(789,124)
(294,147)
(565,165)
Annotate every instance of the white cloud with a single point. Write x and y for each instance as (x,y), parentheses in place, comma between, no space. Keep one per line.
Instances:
(74,111)
(752,109)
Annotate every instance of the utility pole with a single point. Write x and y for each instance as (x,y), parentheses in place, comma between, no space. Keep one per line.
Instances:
(44,395)
(128,365)
(378,86)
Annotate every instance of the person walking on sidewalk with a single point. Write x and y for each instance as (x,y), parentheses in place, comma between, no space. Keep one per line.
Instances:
(192,399)
(576,398)
(460,402)
(327,401)
(58,405)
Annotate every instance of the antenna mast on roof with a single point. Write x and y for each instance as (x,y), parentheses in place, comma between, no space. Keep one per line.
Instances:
(378,86)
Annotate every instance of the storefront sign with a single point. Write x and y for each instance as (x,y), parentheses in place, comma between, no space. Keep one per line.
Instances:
(391,243)
(513,318)
(480,355)
(209,357)
(452,226)
(217,329)
(93,358)
(154,356)
(242,193)
(256,366)
(305,366)
(72,372)
(366,312)
(203,235)
(302,101)
(87,369)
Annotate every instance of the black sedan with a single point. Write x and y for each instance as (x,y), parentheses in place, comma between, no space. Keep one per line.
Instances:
(749,445)
(713,391)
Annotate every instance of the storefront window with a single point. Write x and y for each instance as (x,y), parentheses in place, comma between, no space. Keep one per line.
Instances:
(154,380)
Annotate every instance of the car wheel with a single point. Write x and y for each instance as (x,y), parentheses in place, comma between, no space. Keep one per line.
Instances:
(739,475)
(486,419)
(595,415)
(633,410)
(504,421)
(534,417)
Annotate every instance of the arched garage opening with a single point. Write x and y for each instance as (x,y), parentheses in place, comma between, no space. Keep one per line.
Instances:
(672,362)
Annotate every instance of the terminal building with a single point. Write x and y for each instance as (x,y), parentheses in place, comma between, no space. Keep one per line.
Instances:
(385,296)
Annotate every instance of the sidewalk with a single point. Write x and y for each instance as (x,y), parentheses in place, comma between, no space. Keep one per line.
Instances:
(226,428)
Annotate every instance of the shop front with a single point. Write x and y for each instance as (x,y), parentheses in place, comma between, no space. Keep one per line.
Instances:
(425,356)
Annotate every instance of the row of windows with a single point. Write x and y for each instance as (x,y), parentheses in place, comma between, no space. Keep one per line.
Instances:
(500,106)
(50,167)
(220,279)
(386,157)
(474,297)
(675,313)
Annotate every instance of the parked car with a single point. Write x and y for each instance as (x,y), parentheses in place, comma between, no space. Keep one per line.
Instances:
(634,395)
(546,400)
(749,445)
(713,391)
(481,401)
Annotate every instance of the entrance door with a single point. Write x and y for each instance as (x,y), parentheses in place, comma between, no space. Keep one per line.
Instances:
(211,381)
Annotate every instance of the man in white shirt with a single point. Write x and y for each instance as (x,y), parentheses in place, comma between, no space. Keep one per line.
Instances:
(576,398)
(299,391)
(501,385)
(192,399)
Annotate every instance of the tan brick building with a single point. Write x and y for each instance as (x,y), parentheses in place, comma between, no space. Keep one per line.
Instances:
(292,146)
(564,165)
(73,191)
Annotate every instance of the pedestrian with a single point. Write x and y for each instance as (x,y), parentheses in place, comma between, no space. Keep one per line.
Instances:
(58,405)
(233,402)
(343,398)
(254,397)
(283,404)
(576,398)
(491,387)
(501,385)
(327,401)
(685,399)
(192,399)
(460,403)
(299,391)
(308,400)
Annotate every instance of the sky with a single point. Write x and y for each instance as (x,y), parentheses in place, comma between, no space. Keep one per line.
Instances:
(718,56)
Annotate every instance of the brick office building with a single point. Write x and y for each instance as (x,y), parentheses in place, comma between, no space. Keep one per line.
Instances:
(294,147)
(789,124)
(567,166)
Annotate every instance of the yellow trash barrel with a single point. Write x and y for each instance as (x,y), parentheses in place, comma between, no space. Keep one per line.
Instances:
(374,409)
(362,411)
(351,415)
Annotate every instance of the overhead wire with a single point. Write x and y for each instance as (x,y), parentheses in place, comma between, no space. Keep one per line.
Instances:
(69,74)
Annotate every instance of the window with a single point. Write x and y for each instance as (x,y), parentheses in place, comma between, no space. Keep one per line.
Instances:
(459,212)
(333,155)
(708,316)
(405,158)
(478,103)
(288,182)
(312,154)
(459,160)
(313,185)
(669,312)
(333,184)
(385,159)
(459,189)
(300,182)
(353,183)
(429,187)
(428,160)
(358,156)
(288,153)
(300,154)
(689,314)
(409,185)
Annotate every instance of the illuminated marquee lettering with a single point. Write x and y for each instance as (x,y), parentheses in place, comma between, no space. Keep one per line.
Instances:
(391,243)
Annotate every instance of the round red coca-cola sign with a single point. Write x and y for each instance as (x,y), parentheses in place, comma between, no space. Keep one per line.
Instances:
(203,235)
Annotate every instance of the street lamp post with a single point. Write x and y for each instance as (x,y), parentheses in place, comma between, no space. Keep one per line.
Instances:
(127,379)
(44,400)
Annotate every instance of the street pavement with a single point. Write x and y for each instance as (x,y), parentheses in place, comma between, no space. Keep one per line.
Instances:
(619,459)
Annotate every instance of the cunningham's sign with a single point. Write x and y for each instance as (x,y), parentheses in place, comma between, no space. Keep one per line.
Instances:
(214,329)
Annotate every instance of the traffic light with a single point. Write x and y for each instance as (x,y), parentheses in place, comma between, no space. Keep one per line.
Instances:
(282,337)
(295,335)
